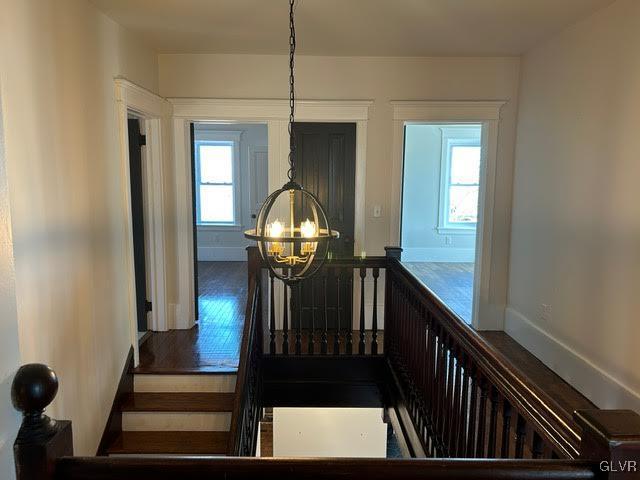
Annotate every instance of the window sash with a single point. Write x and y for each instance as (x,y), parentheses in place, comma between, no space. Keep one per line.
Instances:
(445,220)
(199,183)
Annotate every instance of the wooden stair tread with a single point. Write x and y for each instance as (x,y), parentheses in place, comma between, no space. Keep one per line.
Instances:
(178,443)
(178,402)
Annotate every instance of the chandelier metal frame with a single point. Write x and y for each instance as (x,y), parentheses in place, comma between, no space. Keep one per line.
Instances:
(298,252)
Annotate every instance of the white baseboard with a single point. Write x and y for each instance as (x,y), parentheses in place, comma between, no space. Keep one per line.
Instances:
(593,382)
(222,254)
(436,254)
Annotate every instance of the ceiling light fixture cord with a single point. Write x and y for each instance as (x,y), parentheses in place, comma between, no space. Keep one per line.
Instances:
(292,95)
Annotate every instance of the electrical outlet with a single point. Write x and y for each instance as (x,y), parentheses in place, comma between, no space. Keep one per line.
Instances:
(377,211)
(447,240)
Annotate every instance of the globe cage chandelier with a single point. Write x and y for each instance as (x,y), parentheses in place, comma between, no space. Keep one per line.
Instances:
(295,251)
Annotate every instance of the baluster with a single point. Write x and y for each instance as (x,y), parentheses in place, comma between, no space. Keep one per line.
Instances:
(473,403)
(285,319)
(336,338)
(448,408)
(456,410)
(361,347)
(481,418)
(506,429)
(440,390)
(521,435)
(311,346)
(272,316)
(349,346)
(430,371)
(493,424)
(464,408)
(323,345)
(536,446)
(374,317)
(299,330)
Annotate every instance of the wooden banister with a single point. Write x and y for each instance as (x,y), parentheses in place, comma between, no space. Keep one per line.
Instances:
(461,384)
(245,416)
(101,468)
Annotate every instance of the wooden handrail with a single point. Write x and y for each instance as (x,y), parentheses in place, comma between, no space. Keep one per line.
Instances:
(527,398)
(100,468)
(247,376)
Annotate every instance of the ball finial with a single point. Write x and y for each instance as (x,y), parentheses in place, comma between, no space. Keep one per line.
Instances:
(34,387)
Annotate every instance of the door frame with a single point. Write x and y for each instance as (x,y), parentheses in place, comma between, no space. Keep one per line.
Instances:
(486,314)
(275,113)
(153,111)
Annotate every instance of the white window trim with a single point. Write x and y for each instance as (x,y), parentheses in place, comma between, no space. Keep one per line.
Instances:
(454,135)
(213,137)
(489,291)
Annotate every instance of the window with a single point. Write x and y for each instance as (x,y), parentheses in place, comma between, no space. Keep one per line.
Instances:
(460,179)
(216,180)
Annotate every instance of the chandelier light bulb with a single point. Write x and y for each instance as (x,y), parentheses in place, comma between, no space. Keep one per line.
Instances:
(308,229)
(276,229)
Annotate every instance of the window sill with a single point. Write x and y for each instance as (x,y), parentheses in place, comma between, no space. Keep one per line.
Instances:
(228,227)
(456,230)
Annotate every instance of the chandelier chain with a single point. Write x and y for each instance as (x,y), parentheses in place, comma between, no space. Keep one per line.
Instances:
(291,174)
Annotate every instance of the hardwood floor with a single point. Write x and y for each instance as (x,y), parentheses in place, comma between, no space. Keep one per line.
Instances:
(213,344)
(451,282)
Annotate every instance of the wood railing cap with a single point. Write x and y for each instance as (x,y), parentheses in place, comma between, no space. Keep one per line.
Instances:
(610,425)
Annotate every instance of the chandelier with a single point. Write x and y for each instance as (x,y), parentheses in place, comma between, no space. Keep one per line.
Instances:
(296,250)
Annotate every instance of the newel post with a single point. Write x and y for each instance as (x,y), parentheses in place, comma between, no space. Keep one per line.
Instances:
(611,438)
(393,252)
(254,262)
(41,440)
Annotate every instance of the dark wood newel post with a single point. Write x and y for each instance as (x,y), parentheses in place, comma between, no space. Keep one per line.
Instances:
(41,440)
(254,262)
(393,252)
(611,438)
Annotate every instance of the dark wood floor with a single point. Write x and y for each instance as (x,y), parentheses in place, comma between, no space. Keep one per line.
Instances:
(451,282)
(213,344)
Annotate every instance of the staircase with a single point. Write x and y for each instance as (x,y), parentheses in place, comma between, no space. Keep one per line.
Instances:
(186,414)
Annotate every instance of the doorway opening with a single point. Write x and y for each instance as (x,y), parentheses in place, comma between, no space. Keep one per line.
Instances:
(230,182)
(440,199)
(137,175)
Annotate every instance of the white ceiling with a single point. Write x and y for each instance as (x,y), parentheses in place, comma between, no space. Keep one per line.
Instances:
(348,27)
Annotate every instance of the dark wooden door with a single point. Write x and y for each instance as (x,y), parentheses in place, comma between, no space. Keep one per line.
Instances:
(325,161)
(136,142)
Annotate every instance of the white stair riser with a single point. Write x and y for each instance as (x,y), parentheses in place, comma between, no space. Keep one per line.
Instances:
(184,383)
(176,421)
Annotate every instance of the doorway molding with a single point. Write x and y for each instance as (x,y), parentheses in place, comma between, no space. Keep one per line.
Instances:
(275,113)
(153,110)
(487,315)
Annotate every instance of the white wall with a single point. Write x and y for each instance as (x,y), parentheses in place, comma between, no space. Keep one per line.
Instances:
(382,80)
(421,240)
(329,432)
(377,78)
(576,216)
(9,350)
(58,59)
(228,243)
